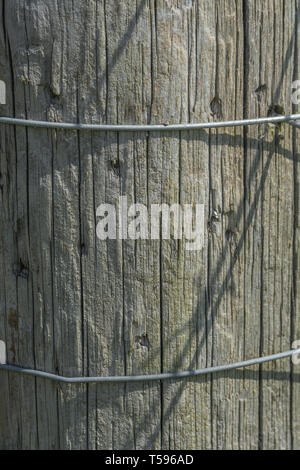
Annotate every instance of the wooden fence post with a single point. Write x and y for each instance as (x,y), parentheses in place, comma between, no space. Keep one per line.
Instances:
(75,305)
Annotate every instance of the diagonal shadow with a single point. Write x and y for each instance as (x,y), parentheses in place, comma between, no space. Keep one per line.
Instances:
(213,308)
(122,44)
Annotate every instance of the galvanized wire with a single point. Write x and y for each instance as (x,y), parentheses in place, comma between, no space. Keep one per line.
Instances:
(149,127)
(151,377)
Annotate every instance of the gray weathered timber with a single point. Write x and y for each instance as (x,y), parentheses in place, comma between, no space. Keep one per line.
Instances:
(73,305)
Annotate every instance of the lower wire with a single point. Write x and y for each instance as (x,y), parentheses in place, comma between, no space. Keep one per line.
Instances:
(152,377)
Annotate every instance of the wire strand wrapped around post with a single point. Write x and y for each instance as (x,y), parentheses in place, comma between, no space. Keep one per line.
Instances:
(151,377)
(291,119)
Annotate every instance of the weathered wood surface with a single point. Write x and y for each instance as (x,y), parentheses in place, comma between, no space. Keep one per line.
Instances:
(74,305)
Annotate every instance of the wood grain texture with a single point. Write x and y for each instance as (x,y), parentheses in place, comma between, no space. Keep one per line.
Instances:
(74,305)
